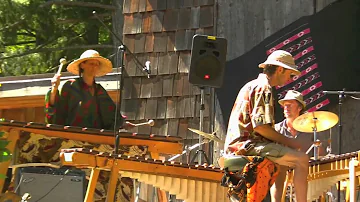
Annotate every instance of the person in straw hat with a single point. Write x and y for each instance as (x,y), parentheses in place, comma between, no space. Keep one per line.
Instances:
(82,102)
(251,123)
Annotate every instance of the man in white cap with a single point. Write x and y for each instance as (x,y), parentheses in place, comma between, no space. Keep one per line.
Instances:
(293,105)
(252,121)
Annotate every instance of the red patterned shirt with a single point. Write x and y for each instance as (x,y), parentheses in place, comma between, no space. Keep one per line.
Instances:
(254,106)
(76,106)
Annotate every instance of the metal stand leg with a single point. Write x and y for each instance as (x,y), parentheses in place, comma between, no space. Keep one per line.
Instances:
(316,154)
(201,124)
(198,152)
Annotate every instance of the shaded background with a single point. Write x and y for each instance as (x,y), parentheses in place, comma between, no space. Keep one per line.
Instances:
(334,32)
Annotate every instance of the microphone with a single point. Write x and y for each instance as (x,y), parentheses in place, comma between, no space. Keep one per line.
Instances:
(147,69)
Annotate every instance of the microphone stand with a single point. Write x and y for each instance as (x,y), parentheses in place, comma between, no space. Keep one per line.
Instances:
(120,94)
(341,99)
(122,48)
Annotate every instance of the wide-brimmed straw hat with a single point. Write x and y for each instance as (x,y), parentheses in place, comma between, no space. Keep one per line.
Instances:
(293,95)
(104,68)
(281,58)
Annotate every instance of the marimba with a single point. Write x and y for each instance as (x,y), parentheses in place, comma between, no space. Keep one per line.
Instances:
(192,183)
(155,144)
(195,182)
(327,171)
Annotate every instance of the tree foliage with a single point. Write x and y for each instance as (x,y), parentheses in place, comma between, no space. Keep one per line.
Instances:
(35,34)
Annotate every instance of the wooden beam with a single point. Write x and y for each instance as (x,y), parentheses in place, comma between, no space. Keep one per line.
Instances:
(79,160)
(153,145)
(81,4)
(32,101)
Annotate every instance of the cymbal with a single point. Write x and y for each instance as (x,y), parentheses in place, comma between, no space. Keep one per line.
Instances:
(207,135)
(322,120)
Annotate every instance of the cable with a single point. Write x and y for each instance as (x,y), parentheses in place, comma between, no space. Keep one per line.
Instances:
(355,98)
(57,184)
(20,181)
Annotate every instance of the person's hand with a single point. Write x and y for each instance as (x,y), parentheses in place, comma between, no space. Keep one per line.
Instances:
(55,81)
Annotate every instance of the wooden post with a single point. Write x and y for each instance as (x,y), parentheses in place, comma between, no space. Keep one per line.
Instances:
(288,181)
(89,197)
(162,195)
(352,177)
(323,197)
(114,175)
(12,136)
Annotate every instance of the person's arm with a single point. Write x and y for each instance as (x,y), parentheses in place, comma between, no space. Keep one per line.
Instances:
(270,133)
(55,82)
(50,109)
(262,117)
(56,110)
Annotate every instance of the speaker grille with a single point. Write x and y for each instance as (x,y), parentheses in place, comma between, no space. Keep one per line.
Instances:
(57,187)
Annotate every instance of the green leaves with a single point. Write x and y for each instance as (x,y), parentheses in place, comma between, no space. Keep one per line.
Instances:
(1,132)
(2,176)
(36,34)
(5,154)
(3,143)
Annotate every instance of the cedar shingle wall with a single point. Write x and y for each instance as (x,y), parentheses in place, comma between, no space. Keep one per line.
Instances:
(161,32)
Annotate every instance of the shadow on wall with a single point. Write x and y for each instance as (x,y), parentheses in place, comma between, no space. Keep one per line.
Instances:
(336,47)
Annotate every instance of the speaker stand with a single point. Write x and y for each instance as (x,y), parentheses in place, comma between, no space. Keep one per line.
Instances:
(200,152)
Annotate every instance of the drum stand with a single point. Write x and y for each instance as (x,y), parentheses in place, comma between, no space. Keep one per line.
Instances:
(317,143)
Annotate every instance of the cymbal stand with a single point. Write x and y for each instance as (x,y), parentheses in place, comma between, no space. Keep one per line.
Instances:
(316,144)
(328,148)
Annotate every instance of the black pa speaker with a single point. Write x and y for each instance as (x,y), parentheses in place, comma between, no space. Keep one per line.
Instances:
(208,57)
(49,184)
